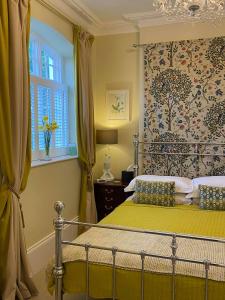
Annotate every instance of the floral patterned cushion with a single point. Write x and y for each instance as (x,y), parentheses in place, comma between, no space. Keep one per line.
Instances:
(212,197)
(155,193)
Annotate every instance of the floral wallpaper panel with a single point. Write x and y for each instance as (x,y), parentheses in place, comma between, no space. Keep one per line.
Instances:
(185,102)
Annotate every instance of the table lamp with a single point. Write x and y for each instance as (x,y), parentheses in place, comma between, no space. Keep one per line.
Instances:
(107,137)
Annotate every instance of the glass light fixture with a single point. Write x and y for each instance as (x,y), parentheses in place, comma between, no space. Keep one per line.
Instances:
(193,10)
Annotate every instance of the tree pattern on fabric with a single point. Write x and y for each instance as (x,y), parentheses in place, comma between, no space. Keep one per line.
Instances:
(184,86)
(169,88)
(215,119)
(216,53)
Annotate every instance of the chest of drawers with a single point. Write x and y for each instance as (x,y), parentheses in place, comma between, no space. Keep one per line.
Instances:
(108,195)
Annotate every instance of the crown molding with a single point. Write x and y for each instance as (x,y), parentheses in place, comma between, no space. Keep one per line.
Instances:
(84,12)
(78,13)
(116,27)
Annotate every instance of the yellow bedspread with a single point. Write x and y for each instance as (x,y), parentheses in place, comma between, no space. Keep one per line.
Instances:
(180,219)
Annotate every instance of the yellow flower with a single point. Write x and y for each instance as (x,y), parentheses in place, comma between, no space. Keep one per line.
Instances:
(48,126)
(54,126)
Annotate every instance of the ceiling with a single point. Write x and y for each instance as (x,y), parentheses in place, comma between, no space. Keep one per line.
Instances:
(102,17)
(114,10)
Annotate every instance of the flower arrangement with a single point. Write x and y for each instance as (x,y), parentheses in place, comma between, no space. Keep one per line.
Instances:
(48,129)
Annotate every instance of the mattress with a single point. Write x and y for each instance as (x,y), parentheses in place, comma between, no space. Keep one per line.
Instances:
(179,219)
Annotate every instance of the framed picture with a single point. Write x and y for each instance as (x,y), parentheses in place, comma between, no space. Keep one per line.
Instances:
(117,102)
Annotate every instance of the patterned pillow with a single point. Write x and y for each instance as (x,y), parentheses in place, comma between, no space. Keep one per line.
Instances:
(212,197)
(155,193)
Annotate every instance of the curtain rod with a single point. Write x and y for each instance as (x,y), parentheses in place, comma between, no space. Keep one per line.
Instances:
(139,45)
(56,11)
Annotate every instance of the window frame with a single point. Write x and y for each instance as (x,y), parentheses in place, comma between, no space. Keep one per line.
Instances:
(53,85)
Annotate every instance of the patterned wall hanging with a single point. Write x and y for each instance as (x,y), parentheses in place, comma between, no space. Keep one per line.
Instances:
(185,102)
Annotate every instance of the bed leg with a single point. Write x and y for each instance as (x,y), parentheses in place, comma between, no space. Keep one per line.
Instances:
(207,265)
(174,247)
(58,269)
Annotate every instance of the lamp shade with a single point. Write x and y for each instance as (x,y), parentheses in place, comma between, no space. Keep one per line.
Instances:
(107,136)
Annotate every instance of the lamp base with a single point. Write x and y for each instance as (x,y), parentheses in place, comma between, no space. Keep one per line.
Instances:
(107,176)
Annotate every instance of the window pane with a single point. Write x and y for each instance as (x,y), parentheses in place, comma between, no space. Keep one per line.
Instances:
(33,57)
(32,116)
(50,65)
(51,72)
(61,117)
(52,91)
(44,73)
(44,109)
(30,58)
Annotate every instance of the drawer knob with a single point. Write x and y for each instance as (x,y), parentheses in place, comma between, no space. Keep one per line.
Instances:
(108,199)
(108,207)
(108,190)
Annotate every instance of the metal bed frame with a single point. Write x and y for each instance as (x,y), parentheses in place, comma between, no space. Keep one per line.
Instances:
(59,222)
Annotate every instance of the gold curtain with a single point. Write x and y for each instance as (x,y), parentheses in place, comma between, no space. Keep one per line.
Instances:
(15,149)
(85,121)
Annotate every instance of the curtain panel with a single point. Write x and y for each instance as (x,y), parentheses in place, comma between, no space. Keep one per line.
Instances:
(85,121)
(15,149)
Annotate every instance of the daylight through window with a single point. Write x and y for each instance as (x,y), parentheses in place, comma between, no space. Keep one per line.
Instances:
(52,95)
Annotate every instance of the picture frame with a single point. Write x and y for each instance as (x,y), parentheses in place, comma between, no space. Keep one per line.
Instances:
(117,102)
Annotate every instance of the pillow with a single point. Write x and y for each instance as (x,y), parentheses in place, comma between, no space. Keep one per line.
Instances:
(182,184)
(180,199)
(216,181)
(212,197)
(155,193)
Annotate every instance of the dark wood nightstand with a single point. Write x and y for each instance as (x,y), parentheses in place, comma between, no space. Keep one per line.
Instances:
(108,195)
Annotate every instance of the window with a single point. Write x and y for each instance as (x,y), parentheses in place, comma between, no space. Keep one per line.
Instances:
(52,95)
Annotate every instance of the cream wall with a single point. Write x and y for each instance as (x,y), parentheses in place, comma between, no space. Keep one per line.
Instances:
(116,66)
(183,31)
(51,182)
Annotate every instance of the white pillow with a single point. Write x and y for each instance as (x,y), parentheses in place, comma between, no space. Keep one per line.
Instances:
(217,181)
(182,184)
(181,199)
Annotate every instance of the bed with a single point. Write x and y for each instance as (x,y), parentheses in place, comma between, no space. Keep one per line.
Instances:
(143,252)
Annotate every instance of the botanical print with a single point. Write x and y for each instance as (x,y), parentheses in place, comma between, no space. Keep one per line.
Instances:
(185,102)
(118,104)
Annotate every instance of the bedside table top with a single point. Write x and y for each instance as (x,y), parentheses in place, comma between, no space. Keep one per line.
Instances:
(115,182)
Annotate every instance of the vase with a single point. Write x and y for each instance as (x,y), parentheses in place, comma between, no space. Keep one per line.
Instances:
(47,139)
(47,157)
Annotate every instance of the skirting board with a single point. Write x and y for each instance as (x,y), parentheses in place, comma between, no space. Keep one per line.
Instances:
(41,252)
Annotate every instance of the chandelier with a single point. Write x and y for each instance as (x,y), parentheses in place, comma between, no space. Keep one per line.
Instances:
(194,10)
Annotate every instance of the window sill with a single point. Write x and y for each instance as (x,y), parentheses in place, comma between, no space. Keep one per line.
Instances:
(37,163)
